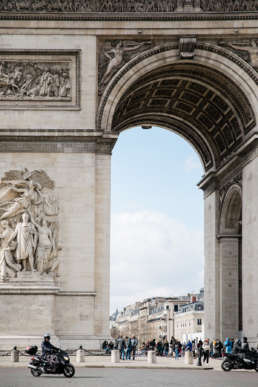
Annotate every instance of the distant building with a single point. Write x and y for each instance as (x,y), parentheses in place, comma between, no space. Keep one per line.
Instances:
(152,318)
(189,321)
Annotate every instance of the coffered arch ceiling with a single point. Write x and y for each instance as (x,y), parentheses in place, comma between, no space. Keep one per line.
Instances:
(198,102)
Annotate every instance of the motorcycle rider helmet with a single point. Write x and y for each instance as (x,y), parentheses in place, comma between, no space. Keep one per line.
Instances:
(47,336)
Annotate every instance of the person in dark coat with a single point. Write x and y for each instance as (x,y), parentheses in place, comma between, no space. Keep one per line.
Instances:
(46,347)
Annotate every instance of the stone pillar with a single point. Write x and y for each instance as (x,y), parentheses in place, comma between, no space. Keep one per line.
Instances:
(229,286)
(211,266)
(102,240)
(250,250)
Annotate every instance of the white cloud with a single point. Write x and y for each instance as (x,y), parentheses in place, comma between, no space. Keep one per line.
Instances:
(192,163)
(153,255)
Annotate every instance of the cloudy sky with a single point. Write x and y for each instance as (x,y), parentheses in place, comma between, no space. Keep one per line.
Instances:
(156,217)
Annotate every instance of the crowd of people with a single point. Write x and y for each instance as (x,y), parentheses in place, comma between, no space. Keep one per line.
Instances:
(205,350)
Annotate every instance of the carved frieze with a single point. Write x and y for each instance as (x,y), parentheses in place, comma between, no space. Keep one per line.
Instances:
(28,224)
(129,6)
(114,54)
(39,80)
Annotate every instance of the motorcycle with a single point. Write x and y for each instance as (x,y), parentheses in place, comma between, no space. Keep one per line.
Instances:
(247,361)
(55,363)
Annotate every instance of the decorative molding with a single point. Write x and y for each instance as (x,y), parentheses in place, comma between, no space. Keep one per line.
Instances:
(39,80)
(57,145)
(121,6)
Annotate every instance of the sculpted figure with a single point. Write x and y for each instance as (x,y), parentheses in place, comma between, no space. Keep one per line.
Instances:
(33,246)
(116,58)
(26,236)
(8,267)
(45,245)
(20,203)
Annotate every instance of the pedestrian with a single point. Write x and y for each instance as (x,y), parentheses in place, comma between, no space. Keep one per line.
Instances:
(134,343)
(122,347)
(159,348)
(128,348)
(228,345)
(189,346)
(166,348)
(176,351)
(206,351)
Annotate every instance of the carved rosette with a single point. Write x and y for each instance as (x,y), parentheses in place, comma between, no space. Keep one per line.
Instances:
(28,225)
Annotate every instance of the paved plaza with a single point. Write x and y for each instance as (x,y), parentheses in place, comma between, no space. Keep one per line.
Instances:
(99,377)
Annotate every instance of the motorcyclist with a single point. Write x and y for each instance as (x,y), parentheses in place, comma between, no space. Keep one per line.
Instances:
(237,348)
(46,347)
(48,350)
(245,345)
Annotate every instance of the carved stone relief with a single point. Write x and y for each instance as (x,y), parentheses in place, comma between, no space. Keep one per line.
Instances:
(28,224)
(137,6)
(34,80)
(246,49)
(114,54)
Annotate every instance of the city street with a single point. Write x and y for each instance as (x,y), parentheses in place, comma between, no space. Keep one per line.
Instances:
(98,377)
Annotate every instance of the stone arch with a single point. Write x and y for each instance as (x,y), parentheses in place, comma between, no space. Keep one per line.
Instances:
(216,79)
(230,244)
(231,213)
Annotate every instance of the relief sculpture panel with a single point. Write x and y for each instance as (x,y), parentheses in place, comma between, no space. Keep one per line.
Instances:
(28,224)
(33,80)
(130,6)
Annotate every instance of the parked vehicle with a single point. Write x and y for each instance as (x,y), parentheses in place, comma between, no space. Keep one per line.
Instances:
(58,362)
(248,361)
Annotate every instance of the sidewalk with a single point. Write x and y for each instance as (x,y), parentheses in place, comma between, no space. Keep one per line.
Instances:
(105,362)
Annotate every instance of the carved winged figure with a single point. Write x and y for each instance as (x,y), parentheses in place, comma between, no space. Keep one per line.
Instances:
(16,200)
(116,57)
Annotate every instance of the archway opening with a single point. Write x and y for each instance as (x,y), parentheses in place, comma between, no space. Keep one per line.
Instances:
(157,218)
(206,106)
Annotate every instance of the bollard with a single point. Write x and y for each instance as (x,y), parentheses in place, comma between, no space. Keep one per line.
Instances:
(188,357)
(14,355)
(115,356)
(80,355)
(151,357)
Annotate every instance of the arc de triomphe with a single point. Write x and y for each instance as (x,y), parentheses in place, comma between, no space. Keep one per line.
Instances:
(73,75)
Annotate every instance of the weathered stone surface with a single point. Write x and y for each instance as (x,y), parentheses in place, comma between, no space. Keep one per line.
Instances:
(127,64)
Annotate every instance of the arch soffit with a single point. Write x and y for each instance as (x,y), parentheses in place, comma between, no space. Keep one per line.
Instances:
(238,71)
(211,56)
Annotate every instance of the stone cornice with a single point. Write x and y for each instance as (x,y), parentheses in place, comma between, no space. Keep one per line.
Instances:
(56,141)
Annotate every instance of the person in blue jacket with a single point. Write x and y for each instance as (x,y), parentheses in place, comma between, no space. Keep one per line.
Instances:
(228,345)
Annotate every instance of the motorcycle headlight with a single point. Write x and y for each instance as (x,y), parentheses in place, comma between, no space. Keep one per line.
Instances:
(66,358)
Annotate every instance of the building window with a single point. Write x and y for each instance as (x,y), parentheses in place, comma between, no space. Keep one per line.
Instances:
(199,321)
